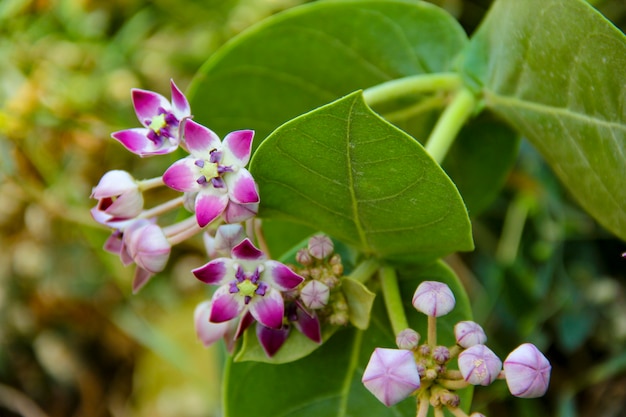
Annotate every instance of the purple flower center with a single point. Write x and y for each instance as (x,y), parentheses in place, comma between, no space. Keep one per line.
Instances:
(161,126)
(211,170)
(248,284)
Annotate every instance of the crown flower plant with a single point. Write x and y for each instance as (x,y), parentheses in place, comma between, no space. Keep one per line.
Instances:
(329,208)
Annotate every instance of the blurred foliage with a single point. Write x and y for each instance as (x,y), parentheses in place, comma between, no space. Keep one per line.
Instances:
(72,339)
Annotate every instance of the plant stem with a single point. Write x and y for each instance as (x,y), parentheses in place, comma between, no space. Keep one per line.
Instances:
(439,412)
(402,87)
(423,405)
(450,123)
(453,384)
(150,183)
(393,301)
(456,411)
(432,331)
(260,237)
(364,270)
(162,208)
(182,230)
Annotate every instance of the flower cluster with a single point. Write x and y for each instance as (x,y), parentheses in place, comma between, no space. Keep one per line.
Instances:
(213,180)
(423,370)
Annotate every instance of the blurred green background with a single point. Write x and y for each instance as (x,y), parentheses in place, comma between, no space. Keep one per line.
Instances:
(75,342)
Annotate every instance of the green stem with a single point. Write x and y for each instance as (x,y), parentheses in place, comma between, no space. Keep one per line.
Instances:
(416,84)
(393,301)
(148,184)
(450,123)
(364,270)
(456,411)
(432,331)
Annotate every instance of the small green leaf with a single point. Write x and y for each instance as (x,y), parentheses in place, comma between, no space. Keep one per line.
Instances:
(553,69)
(345,171)
(328,382)
(360,301)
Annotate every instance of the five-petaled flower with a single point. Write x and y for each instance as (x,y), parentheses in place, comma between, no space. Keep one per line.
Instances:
(215,171)
(161,119)
(248,282)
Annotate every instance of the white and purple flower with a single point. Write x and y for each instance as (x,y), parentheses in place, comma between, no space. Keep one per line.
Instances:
(215,173)
(391,375)
(249,282)
(162,121)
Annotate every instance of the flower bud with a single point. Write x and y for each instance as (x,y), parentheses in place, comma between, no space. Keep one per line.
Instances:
(303,257)
(477,415)
(469,333)
(119,197)
(441,354)
(527,372)
(391,375)
(147,245)
(226,238)
(433,298)
(315,295)
(320,246)
(407,339)
(479,365)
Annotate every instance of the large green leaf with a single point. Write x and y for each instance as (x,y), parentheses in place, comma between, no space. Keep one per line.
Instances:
(345,171)
(311,55)
(554,70)
(328,382)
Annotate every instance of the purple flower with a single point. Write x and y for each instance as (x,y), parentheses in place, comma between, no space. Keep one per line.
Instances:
(469,333)
(433,298)
(391,375)
(161,119)
(527,372)
(119,198)
(479,365)
(248,282)
(215,171)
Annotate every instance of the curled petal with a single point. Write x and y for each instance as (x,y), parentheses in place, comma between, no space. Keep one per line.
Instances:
(208,332)
(114,183)
(391,375)
(147,104)
(268,309)
(216,272)
(236,213)
(136,140)
(280,276)
(140,279)
(247,251)
(182,175)
(241,187)
(308,325)
(179,102)
(200,140)
(225,306)
(271,339)
(237,147)
(209,206)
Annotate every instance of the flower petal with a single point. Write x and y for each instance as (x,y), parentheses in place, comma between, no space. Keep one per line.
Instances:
(271,339)
(200,140)
(245,250)
(209,206)
(308,326)
(237,213)
(114,183)
(216,272)
(136,140)
(182,175)
(280,276)
(225,306)
(140,279)
(242,188)
(179,102)
(147,104)
(268,309)
(237,147)
(208,332)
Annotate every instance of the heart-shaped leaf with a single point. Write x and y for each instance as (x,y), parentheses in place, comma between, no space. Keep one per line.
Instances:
(345,171)
(554,70)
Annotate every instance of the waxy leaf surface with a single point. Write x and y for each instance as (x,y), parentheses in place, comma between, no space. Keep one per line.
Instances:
(554,70)
(343,170)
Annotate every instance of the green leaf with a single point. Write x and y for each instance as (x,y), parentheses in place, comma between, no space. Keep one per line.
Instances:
(360,301)
(311,55)
(345,171)
(328,382)
(553,69)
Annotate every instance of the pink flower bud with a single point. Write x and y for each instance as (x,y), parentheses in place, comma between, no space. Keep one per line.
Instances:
(320,246)
(118,198)
(147,246)
(407,339)
(441,354)
(469,333)
(527,372)
(479,365)
(315,295)
(433,298)
(391,375)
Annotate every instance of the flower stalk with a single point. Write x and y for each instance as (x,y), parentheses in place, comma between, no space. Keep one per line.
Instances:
(393,301)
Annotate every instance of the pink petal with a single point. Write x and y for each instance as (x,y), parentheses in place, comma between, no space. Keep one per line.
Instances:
(199,139)
(280,276)
(182,176)
(241,187)
(209,206)
(225,306)
(268,309)
(140,279)
(216,272)
(208,332)
(114,183)
(147,104)
(236,213)
(237,147)
(136,141)
(271,339)
(179,102)
(247,251)
(308,326)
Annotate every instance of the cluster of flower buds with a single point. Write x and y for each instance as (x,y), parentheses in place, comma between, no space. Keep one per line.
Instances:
(214,184)
(422,370)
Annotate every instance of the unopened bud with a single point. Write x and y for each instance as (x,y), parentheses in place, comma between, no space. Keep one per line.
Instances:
(407,339)
(320,246)
(315,295)
(468,334)
(527,372)
(441,354)
(303,257)
(479,365)
(433,298)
